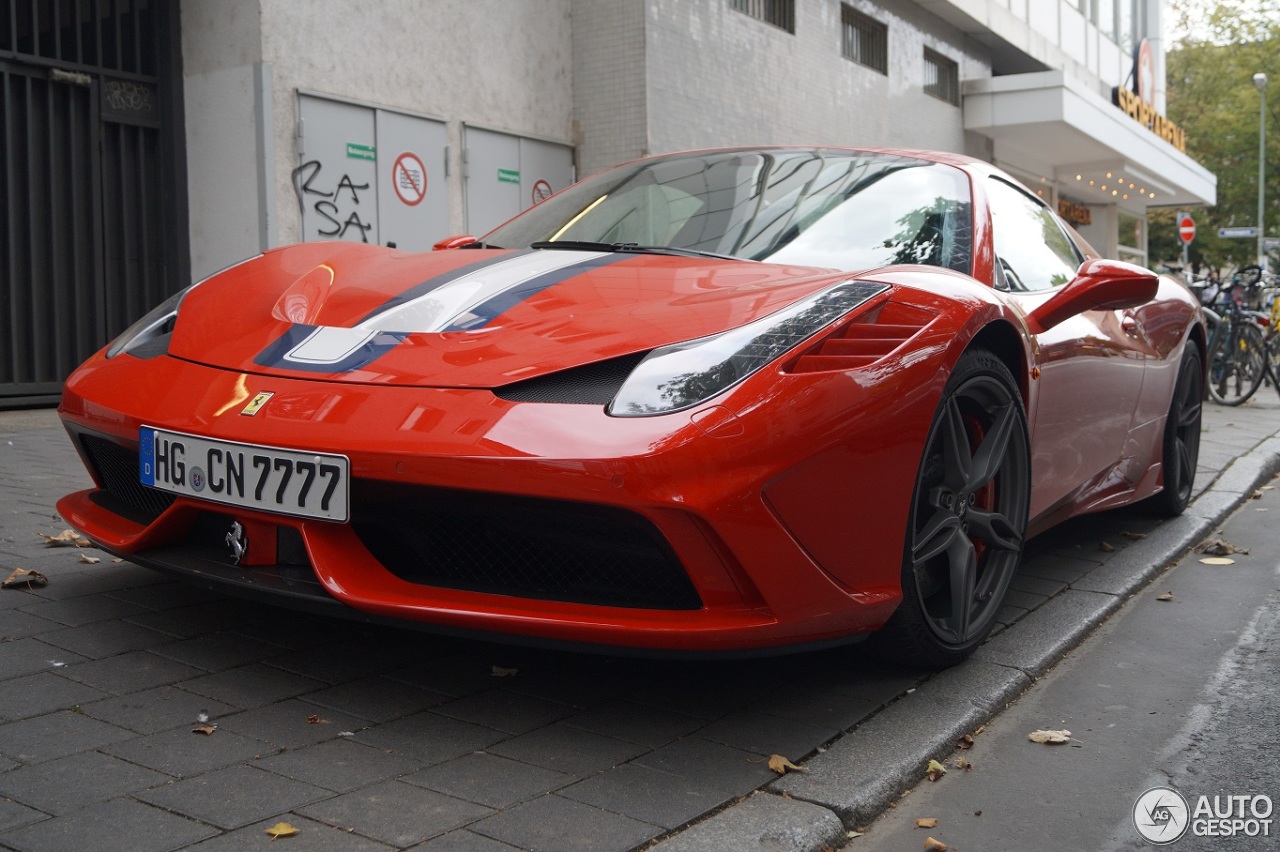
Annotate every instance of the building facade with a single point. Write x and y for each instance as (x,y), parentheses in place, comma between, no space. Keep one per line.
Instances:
(238,125)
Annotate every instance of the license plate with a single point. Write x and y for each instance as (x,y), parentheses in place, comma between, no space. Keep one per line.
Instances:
(270,479)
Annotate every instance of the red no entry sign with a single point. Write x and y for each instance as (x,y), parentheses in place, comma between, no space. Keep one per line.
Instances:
(1186,228)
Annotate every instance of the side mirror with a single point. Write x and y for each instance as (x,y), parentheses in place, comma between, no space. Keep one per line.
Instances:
(1099,285)
(449,243)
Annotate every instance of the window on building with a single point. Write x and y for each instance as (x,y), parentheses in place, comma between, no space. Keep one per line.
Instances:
(941,77)
(780,13)
(866,40)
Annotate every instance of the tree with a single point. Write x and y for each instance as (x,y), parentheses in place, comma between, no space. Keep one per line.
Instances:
(1220,45)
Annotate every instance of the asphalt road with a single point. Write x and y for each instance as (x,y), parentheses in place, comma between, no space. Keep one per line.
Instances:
(1183,693)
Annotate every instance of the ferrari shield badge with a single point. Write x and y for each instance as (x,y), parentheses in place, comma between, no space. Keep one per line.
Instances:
(256,403)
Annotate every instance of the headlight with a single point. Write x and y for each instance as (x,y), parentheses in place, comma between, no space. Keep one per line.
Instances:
(156,322)
(685,374)
(159,320)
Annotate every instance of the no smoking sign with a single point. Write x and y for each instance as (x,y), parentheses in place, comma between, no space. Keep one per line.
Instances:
(409,179)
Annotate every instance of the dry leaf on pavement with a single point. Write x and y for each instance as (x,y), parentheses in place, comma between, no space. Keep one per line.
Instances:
(314,719)
(204,729)
(281,829)
(927,822)
(22,577)
(89,560)
(935,770)
(781,765)
(1217,560)
(1049,737)
(1134,536)
(932,844)
(1221,547)
(1166,596)
(66,538)
(965,742)
(961,763)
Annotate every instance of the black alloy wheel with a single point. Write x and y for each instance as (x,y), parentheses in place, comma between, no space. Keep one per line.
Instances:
(1181,452)
(968,518)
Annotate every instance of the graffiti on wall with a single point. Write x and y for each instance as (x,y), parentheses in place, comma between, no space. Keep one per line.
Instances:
(336,203)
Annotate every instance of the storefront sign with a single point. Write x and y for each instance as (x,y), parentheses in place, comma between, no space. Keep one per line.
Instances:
(1145,114)
(1074,212)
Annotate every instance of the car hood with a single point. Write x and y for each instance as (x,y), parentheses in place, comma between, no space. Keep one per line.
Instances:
(466,318)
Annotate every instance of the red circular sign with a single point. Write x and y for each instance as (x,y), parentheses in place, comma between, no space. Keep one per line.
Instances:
(541,191)
(409,179)
(1186,229)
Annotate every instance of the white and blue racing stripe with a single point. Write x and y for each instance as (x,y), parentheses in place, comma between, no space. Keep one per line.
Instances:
(463,299)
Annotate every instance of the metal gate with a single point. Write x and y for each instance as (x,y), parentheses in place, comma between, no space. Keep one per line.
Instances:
(92,214)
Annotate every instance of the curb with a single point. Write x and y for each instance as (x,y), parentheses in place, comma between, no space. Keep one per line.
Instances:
(866,769)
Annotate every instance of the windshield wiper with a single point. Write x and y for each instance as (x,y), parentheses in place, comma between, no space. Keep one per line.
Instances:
(632,248)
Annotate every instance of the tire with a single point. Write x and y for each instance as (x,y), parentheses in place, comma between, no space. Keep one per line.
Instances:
(967,521)
(1181,450)
(1236,365)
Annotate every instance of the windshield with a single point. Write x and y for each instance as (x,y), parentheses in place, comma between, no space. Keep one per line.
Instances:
(846,210)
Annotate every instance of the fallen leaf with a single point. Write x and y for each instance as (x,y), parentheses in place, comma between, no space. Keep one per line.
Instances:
(1256,495)
(1134,536)
(934,845)
(965,742)
(981,728)
(961,763)
(314,719)
(22,577)
(852,834)
(1167,596)
(935,770)
(781,765)
(1049,737)
(500,671)
(204,729)
(1217,560)
(927,822)
(281,829)
(66,538)
(89,560)
(116,561)
(1220,547)
(1106,546)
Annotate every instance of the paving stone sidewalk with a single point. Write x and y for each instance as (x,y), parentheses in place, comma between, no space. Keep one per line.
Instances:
(367,737)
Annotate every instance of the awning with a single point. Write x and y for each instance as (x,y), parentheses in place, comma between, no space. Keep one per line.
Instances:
(1096,153)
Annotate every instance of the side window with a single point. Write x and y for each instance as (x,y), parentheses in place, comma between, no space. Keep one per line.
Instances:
(1032,249)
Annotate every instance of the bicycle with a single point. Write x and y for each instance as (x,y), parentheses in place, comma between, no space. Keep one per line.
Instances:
(1239,354)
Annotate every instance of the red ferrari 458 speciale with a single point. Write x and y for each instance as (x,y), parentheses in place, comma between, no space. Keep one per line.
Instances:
(723,400)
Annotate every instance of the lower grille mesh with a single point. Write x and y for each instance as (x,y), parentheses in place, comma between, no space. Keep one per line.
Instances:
(543,549)
(117,469)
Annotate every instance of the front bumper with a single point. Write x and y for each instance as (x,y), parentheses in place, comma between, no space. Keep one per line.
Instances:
(470,513)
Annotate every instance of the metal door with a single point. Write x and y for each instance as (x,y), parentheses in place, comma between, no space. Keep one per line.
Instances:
(508,173)
(336,179)
(92,210)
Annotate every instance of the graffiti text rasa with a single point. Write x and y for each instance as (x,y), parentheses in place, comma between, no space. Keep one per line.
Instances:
(1145,114)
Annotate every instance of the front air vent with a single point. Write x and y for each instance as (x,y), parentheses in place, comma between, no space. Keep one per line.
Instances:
(591,384)
(865,341)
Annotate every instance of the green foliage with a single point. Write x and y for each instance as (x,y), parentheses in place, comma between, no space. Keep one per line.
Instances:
(1220,45)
